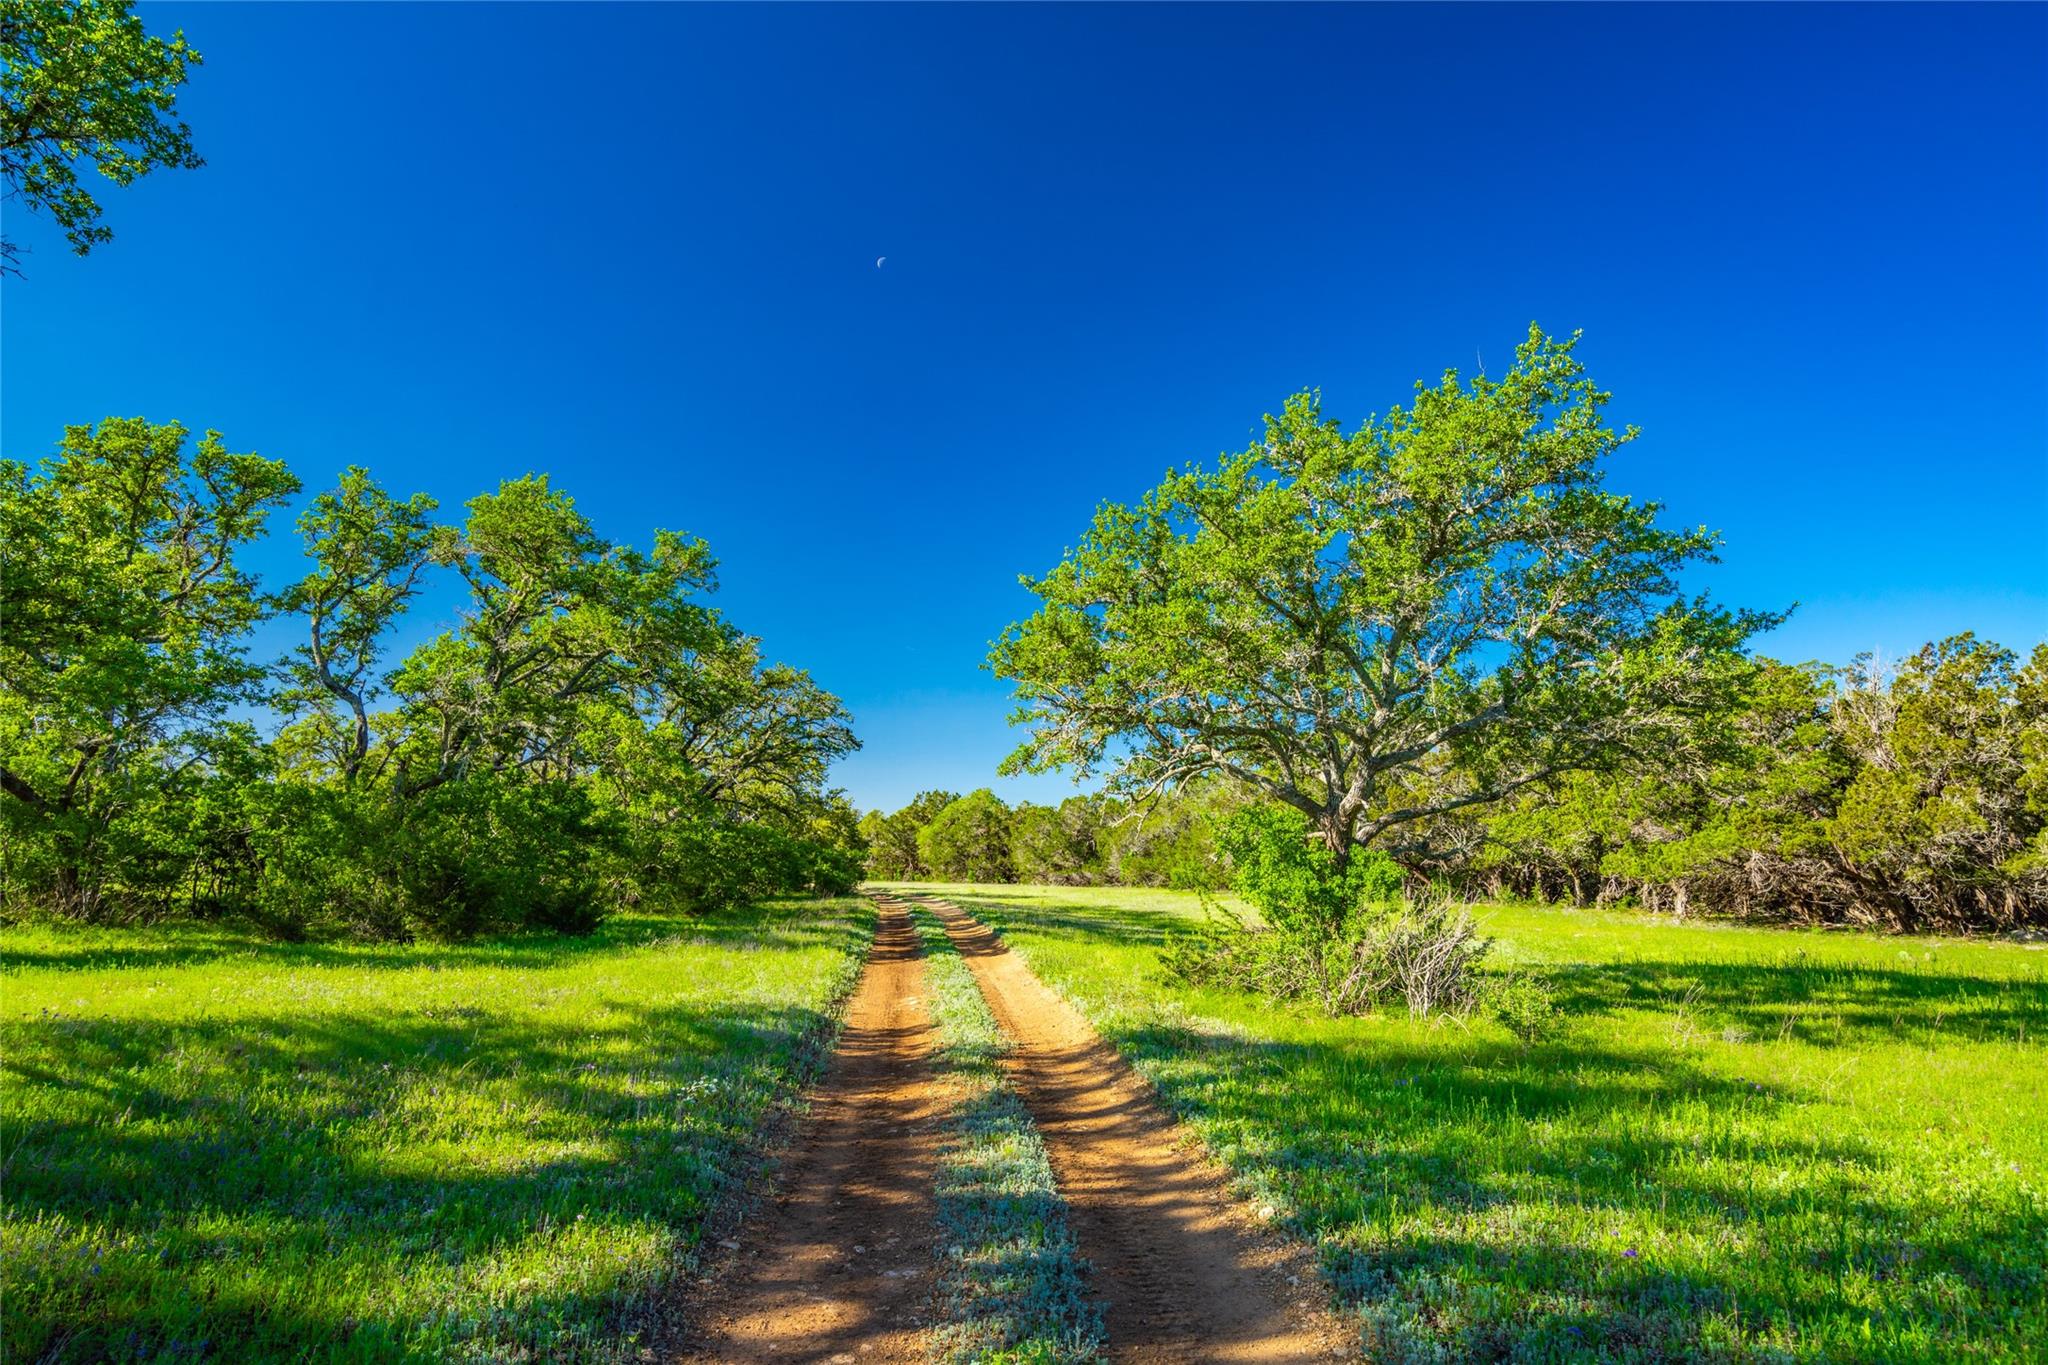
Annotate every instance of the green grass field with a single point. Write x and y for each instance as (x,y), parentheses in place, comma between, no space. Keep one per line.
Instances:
(216,1147)
(1734,1143)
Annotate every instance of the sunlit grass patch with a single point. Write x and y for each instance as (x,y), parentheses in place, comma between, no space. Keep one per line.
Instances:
(245,1150)
(1010,1285)
(1733,1142)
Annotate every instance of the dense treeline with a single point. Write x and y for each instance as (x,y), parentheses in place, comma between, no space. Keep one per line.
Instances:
(1086,840)
(1911,798)
(591,734)
(1907,798)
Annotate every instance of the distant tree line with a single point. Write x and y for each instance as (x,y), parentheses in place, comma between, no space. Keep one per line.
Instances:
(1085,840)
(1907,798)
(591,734)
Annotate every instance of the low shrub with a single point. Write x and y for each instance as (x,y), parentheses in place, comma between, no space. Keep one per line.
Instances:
(1344,936)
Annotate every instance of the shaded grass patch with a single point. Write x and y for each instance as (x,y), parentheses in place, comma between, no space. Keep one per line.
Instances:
(220,1147)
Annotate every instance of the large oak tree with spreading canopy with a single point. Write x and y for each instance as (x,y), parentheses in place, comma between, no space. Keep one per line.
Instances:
(1435,610)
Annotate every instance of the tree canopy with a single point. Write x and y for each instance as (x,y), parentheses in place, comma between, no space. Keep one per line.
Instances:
(1325,615)
(593,732)
(126,608)
(969,840)
(81,81)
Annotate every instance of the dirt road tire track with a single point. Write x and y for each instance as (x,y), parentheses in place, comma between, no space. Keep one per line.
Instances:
(1183,1274)
(843,1268)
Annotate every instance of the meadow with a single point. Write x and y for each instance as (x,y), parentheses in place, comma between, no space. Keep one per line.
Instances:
(221,1147)
(1730,1142)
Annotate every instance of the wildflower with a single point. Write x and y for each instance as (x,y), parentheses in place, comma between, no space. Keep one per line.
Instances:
(1630,1253)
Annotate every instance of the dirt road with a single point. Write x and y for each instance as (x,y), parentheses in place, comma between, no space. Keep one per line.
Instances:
(1181,1275)
(843,1268)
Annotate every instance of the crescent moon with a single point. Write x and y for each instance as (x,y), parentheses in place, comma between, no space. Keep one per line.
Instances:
(879,260)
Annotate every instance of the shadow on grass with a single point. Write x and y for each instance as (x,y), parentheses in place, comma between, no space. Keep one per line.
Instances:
(1573,1202)
(270,1185)
(1602,1196)
(44,946)
(1823,1004)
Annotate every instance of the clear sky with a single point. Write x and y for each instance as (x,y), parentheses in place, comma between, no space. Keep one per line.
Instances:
(634,246)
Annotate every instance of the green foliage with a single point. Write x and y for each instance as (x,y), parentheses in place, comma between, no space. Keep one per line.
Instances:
(126,611)
(1726,1143)
(593,734)
(494,853)
(80,80)
(370,552)
(1439,635)
(1938,802)
(1338,931)
(1322,616)
(1167,840)
(1295,880)
(893,852)
(370,1153)
(1057,845)
(1849,795)
(716,864)
(969,840)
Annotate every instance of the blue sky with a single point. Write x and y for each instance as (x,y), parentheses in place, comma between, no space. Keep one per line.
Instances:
(635,246)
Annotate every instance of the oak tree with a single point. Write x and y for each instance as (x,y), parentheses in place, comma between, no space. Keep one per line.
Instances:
(124,610)
(1323,614)
(82,82)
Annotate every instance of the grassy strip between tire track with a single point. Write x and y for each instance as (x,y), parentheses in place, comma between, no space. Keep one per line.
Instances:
(1010,1286)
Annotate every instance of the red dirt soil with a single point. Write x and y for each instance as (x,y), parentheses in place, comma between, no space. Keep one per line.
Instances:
(1183,1273)
(842,1270)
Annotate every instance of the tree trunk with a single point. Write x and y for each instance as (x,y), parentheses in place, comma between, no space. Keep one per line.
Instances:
(75,896)
(1336,835)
